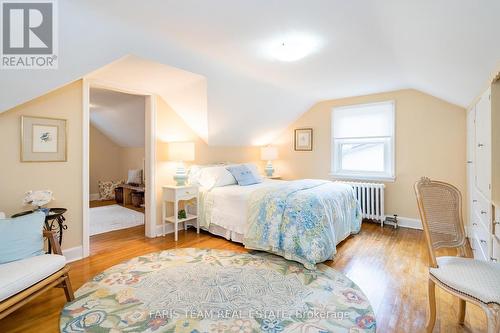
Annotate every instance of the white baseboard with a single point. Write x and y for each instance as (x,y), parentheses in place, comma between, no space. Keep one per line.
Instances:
(407,222)
(169,228)
(73,253)
(94,196)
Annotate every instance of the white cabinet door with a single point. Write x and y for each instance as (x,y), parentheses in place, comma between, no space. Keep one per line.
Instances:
(483,145)
(496,250)
(471,134)
(471,182)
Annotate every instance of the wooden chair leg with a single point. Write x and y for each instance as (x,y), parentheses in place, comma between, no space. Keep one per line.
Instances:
(68,290)
(461,311)
(431,319)
(493,316)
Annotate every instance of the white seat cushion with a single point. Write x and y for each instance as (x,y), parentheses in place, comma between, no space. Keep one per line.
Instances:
(18,275)
(475,278)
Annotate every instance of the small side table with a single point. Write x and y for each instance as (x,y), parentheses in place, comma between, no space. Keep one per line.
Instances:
(174,194)
(56,215)
(274,177)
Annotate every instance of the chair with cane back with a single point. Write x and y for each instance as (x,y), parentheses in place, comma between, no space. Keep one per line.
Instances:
(474,281)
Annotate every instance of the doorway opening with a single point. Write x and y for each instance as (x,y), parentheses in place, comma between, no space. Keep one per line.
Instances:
(119,163)
(116,161)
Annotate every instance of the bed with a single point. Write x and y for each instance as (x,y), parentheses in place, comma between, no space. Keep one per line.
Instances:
(301,220)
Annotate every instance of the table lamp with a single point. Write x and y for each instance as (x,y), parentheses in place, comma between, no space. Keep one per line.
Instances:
(181,152)
(269,154)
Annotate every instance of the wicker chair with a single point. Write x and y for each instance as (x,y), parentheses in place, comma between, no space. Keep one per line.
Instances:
(43,280)
(475,281)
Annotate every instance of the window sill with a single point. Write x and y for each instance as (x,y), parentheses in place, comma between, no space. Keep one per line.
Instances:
(384,179)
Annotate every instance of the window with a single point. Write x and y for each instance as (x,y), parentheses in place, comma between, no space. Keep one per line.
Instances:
(363,141)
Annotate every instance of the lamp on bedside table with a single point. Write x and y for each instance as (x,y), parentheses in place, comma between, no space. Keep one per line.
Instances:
(181,152)
(269,154)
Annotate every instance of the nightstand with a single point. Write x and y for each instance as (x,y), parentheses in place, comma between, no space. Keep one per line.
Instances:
(174,194)
(274,177)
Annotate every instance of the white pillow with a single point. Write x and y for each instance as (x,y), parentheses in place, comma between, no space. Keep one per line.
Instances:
(215,177)
(210,176)
(195,173)
(2,215)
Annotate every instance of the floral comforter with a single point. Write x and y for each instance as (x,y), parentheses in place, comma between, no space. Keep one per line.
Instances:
(302,220)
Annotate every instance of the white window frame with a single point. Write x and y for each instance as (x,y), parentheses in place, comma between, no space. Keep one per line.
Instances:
(389,150)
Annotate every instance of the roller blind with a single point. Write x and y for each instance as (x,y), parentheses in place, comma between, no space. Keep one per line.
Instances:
(363,121)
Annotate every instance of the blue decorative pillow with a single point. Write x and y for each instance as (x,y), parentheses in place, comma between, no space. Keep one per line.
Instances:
(243,175)
(21,237)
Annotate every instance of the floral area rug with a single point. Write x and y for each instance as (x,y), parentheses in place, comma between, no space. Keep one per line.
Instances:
(197,291)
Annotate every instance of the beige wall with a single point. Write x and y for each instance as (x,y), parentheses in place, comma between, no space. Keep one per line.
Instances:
(171,128)
(63,178)
(109,161)
(104,159)
(131,158)
(430,141)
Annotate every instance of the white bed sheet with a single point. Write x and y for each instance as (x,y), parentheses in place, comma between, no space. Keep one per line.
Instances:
(229,205)
(229,210)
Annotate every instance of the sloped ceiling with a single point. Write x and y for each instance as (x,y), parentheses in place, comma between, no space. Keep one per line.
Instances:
(184,91)
(446,48)
(119,116)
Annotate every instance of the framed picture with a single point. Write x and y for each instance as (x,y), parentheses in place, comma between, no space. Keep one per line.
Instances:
(303,139)
(43,139)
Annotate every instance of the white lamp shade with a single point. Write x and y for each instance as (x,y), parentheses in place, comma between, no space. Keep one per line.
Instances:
(268,153)
(181,151)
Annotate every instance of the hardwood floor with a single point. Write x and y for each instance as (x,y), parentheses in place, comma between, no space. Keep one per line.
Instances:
(389,265)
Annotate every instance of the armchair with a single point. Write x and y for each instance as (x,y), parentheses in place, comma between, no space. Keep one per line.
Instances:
(473,281)
(24,279)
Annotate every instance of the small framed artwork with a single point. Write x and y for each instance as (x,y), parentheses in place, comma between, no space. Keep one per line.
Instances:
(43,139)
(303,139)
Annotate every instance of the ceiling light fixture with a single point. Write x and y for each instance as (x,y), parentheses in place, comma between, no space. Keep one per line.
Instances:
(293,47)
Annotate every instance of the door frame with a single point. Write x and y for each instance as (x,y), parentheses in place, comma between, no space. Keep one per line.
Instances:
(150,156)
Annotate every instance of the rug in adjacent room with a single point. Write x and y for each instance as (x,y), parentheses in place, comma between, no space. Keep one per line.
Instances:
(113,217)
(193,290)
